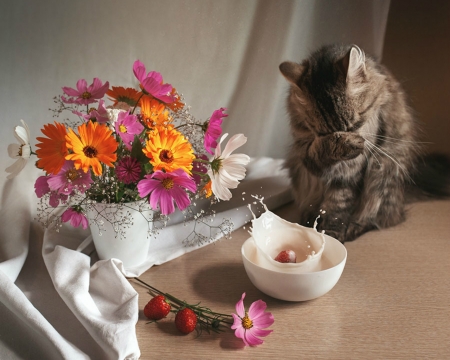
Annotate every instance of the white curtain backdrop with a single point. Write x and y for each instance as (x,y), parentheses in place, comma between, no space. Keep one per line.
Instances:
(217,53)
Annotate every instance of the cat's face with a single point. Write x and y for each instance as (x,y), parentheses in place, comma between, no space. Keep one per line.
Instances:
(332,91)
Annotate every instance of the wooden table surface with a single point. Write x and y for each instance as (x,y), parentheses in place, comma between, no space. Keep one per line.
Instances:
(392,301)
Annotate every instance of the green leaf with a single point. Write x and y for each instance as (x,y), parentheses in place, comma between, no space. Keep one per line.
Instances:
(136,150)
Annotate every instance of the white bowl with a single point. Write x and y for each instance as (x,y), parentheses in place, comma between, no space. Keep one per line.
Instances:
(296,286)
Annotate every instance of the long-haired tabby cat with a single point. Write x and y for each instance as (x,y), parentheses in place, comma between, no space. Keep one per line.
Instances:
(355,147)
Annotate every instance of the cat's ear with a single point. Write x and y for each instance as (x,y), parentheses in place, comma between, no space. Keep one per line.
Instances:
(353,64)
(291,71)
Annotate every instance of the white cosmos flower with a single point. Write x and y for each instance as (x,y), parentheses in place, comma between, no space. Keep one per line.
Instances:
(226,168)
(21,151)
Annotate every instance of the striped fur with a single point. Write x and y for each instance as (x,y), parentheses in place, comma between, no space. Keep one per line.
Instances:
(354,141)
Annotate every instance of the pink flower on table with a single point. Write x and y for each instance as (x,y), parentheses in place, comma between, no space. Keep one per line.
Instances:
(128,170)
(164,188)
(84,94)
(69,179)
(76,217)
(127,126)
(153,83)
(249,326)
(213,129)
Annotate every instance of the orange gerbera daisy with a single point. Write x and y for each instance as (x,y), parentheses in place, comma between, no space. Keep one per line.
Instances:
(52,150)
(207,189)
(169,150)
(154,112)
(177,104)
(119,94)
(93,145)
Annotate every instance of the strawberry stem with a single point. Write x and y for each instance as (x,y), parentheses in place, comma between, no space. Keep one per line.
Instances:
(206,318)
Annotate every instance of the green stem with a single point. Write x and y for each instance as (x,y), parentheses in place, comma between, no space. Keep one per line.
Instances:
(137,102)
(183,125)
(203,312)
(202,161)
(199,173)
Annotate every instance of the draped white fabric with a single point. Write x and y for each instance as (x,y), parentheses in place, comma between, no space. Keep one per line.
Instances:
(217,53)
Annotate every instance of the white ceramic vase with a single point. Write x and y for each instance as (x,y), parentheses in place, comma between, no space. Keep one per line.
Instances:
(121,231)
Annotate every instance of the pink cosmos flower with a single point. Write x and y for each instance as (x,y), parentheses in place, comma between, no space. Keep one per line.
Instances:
(69,179)
(213,129)
(83,94)
(249,326)
(153,83)
(57,198)
(100,115)
(165,188)
(41,188)
(199,168)
(75,217)
(127,126)
(128,170)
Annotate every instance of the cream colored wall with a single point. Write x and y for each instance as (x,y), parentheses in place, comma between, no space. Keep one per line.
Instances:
(417,50)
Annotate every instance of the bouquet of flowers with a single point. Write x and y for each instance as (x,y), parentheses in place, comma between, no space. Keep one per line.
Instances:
(143,147)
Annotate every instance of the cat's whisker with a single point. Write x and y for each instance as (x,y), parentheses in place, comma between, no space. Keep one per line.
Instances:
(392,142)
(393,138)
(372,152)
(380,151)
(367,159)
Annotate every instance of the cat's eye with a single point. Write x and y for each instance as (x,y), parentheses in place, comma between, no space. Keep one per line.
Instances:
(356,125)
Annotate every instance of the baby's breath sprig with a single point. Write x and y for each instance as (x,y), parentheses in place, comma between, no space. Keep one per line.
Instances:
(207,319)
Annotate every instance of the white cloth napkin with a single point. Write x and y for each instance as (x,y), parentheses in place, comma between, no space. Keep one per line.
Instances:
(55,305)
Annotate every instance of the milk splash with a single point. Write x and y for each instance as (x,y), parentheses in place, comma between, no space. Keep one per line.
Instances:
(273,234)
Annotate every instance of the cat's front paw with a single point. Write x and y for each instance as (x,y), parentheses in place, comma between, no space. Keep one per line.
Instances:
(333,227)
(339,235)
(355,230)
(346,146)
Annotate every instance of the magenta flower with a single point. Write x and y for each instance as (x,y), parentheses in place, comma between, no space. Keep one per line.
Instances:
(213,129)
(76,217)
(57,198)
(42,188)
(128,170)
(100,115)
(69,179)
(165,188)
(127,126)
(83,94)
(249,326)
(199,168)
(153,83)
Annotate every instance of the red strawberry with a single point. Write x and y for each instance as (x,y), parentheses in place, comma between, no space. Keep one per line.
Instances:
(186,320)
(286,256)
(157,308)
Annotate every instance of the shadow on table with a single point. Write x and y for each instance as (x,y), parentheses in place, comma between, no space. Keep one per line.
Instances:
(224,284)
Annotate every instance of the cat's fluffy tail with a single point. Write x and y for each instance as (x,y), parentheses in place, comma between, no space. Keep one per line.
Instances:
(431,178)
